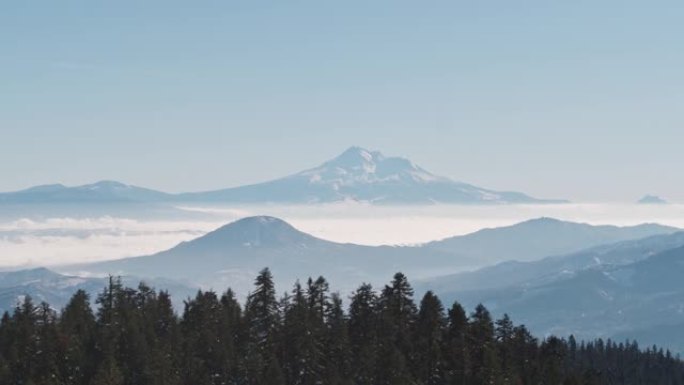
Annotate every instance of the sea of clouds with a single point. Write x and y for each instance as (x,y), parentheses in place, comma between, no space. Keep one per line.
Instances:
(52,241)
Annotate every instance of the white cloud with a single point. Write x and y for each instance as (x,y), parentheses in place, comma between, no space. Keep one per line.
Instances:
(30,242)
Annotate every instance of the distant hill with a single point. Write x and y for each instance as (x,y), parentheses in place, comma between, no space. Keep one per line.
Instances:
(232,254)
(627,290)
(524,274)
(539,238)
(355,175)
(652,200)
(100,192)
(46,285)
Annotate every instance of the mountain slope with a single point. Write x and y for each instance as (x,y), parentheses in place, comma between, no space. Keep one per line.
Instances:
(539,238)
(630,289)
(42,284)
(512,273)
(100,192)
(362,175)
(652,200)
(233,254)
(355,175)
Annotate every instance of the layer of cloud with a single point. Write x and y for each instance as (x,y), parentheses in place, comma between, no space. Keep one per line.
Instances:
(53,241)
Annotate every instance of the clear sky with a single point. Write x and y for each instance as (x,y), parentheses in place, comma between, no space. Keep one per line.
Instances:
(564,99)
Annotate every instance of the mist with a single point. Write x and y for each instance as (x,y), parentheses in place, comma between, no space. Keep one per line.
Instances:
(54,241)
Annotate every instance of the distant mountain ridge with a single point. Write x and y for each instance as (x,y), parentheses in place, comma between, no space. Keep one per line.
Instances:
(624,290)
(235,251)
(100,192)
(559,294)
(355,175)
(56,289)
(541,237)
(652,200)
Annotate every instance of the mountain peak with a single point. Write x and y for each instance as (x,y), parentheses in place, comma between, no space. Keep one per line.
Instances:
(359,166)
(256,231)
(544,221)
(106,185)
(357,157)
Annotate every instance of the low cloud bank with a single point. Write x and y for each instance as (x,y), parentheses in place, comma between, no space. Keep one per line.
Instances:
(54,241)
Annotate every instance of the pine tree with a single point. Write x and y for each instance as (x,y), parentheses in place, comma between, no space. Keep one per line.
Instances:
(337,346)
(298,346)
(397,320)
(262,319)
(552,354)
(205,357)
(456,348)
(428,365)
(363,327)
(232,333)
(77,330)
(108,373)
(504,337)
(162,324)
(46,357)
(483,351)
(136,339)
(525,353)
(23,342)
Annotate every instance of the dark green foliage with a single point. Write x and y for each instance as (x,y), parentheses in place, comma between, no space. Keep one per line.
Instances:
(307,338)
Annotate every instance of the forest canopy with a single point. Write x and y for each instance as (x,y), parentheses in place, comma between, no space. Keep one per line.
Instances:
(307,336)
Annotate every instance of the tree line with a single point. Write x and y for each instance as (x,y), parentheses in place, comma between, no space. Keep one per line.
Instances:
(306,337)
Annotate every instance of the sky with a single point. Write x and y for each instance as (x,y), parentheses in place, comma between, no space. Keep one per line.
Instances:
(580,100)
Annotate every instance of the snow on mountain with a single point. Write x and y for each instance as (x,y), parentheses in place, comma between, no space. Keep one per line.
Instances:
(368,176)
(355,175)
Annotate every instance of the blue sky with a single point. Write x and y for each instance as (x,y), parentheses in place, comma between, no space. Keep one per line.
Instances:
(581,100)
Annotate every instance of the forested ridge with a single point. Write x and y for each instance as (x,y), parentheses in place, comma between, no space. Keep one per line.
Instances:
(305,337)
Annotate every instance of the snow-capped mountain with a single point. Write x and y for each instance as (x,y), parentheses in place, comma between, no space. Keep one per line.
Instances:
(355,175)
(368,176)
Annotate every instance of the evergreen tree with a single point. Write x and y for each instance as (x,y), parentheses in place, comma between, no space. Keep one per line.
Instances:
(46,357)
(483,350)
(108,373)
(504,337)
(397,320)
(77,330)
(23,342)
(429,365)
(162,324)
(338,355)
(456,352)
(363,327)
(262,319)
(232,334)
(552,354)
(302,352)
(137,339)
(205,356)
